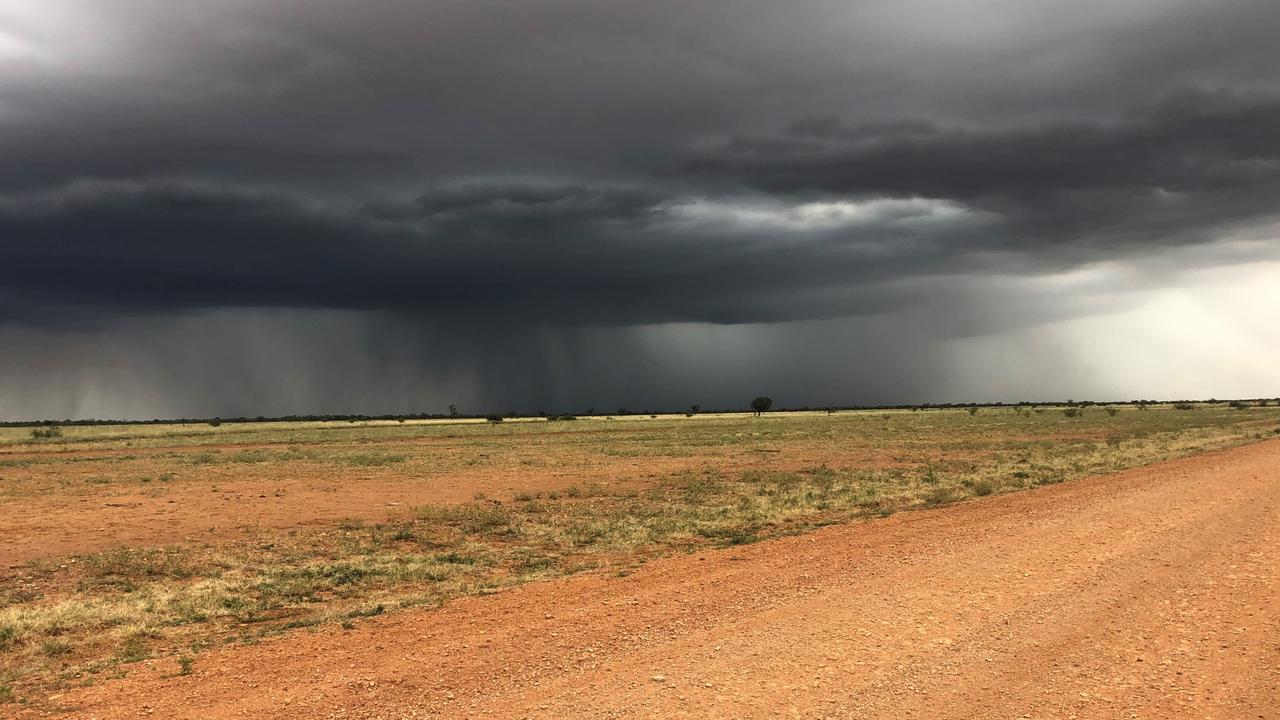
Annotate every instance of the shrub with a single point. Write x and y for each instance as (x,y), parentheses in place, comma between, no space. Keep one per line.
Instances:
(1113,411)
(1184,406)
(494,418)
(973,410)
(1072,412)
(45,433)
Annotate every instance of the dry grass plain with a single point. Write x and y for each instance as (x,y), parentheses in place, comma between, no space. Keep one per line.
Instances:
(124,544)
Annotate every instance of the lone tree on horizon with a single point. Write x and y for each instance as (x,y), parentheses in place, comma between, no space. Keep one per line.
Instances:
(761,405)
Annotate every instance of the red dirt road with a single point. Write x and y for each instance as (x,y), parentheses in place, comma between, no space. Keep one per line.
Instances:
(1153,593)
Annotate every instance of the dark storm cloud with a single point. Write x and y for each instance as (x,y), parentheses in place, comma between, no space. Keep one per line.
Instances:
(483,167)
(1197,142)
(1054,195)
(1180,172)
(566,254)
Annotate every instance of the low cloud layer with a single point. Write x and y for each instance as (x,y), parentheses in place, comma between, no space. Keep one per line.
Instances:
(560,184)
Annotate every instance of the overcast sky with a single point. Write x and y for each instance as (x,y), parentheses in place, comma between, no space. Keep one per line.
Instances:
(225,207)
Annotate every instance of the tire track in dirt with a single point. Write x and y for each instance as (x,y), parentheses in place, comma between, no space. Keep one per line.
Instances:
(1152,593)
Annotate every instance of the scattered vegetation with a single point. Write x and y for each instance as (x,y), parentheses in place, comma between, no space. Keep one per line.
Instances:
(372,459)
(46,432)
(63,622)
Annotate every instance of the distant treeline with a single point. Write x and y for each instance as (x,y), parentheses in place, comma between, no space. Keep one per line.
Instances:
(592,412)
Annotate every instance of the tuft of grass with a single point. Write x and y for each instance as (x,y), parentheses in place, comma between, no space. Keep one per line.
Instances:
(186,664)
(371,611)
(55,648)
(10,634)
(371,459)
(470,519)
(404,533)
(203,458)
(981,487)
(134,649)
(940,496)
(457,559)
(729,536)
(123,567)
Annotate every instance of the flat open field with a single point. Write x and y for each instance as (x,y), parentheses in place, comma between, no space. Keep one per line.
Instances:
(219,572)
